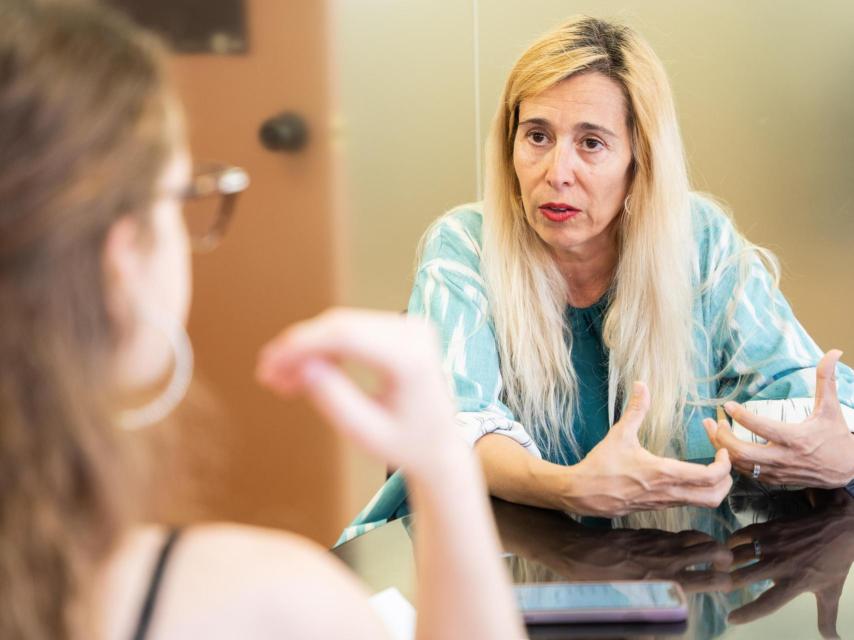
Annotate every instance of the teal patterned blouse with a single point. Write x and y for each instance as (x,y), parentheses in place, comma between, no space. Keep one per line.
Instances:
(753,341)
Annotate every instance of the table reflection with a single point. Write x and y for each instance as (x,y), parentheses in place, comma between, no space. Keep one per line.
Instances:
(804,553)
(740,562)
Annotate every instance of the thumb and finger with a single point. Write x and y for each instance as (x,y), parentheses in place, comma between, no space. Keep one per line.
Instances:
(826,398)
(349,409)
(711,428)
(389,345)
(635,411)
(771,600)
(827,606)
(691,474)
(720,435)
(826,402)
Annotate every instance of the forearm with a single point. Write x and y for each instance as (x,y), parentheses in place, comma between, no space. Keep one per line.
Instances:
(463,588)
(514,475)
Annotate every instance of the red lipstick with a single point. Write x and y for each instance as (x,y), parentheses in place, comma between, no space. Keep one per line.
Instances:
(558,211)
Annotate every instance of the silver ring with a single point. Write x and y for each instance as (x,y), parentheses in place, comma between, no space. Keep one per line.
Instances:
(757,549)
(756,472)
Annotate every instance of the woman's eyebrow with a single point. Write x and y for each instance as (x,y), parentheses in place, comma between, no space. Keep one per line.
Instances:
(590,126)
(540,122)
(581,126)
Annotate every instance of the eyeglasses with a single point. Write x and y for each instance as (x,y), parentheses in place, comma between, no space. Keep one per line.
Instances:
(209,202)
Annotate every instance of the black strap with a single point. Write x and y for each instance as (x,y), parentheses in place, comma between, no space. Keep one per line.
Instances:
(154,586)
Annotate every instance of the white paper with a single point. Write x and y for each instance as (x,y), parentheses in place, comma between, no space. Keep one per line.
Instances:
(396,612)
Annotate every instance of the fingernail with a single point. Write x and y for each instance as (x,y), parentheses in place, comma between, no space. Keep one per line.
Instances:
(730,406)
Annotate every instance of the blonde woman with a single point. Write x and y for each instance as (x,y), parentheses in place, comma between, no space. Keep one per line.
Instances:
(594,311)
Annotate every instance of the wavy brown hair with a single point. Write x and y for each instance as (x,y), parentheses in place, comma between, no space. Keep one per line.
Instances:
(84,114)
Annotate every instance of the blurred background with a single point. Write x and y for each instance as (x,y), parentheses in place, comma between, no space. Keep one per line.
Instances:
(387,104)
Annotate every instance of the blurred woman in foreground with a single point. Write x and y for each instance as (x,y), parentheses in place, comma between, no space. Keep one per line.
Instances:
(94,271)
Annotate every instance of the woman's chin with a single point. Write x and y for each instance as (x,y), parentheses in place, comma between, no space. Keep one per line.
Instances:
(563,240)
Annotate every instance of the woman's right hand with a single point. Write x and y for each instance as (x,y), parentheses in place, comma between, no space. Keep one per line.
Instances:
(619,476)
(409,421)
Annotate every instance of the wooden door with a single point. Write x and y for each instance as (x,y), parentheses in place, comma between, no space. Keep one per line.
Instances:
(254,458)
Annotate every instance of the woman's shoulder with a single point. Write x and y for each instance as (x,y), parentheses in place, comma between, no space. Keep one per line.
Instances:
(228,580)
(715,234)
(709,216)
(456,235)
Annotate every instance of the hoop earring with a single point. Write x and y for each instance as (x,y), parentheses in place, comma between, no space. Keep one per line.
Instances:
(626,205)
(179,382)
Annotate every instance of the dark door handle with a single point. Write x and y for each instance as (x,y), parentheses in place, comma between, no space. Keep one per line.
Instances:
(286,132)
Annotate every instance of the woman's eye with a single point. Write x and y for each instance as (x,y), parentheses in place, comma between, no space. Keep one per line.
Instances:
(592,144)
(537,137)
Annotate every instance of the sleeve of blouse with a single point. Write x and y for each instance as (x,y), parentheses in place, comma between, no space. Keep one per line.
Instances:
(449,291)
(766,357)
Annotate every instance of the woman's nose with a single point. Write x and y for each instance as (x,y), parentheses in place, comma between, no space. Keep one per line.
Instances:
(561,171)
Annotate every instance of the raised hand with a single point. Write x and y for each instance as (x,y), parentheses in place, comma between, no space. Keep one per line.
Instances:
(408,421)
(463,590)
(818,452)
(619,476)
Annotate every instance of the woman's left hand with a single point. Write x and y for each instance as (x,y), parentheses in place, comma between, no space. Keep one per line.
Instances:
(818,452)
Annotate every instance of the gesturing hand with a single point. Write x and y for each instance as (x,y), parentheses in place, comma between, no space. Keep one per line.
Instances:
(818,452)
(408,422)
(619,476)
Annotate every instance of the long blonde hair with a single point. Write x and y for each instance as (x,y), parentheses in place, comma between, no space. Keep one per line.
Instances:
(648,324)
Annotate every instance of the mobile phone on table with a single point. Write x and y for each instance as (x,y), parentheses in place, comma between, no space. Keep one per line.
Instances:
(621,601)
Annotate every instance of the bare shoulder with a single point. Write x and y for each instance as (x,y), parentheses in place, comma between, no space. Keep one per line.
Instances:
(228,580)
(262,552)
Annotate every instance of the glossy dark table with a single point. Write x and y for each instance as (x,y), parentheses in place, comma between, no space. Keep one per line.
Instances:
(764,564)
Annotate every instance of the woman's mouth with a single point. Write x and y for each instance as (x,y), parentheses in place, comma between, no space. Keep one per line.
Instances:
(558,211)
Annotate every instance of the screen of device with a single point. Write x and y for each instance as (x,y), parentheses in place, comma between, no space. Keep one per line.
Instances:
(597,595)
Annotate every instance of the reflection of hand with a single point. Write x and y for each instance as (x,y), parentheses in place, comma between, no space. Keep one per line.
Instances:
(582,553)
(619,476)
(409,422)
(811,553)
(651,554)
(818,452)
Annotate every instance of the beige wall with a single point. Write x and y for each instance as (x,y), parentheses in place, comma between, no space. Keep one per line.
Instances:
(765,96)
(407,94)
